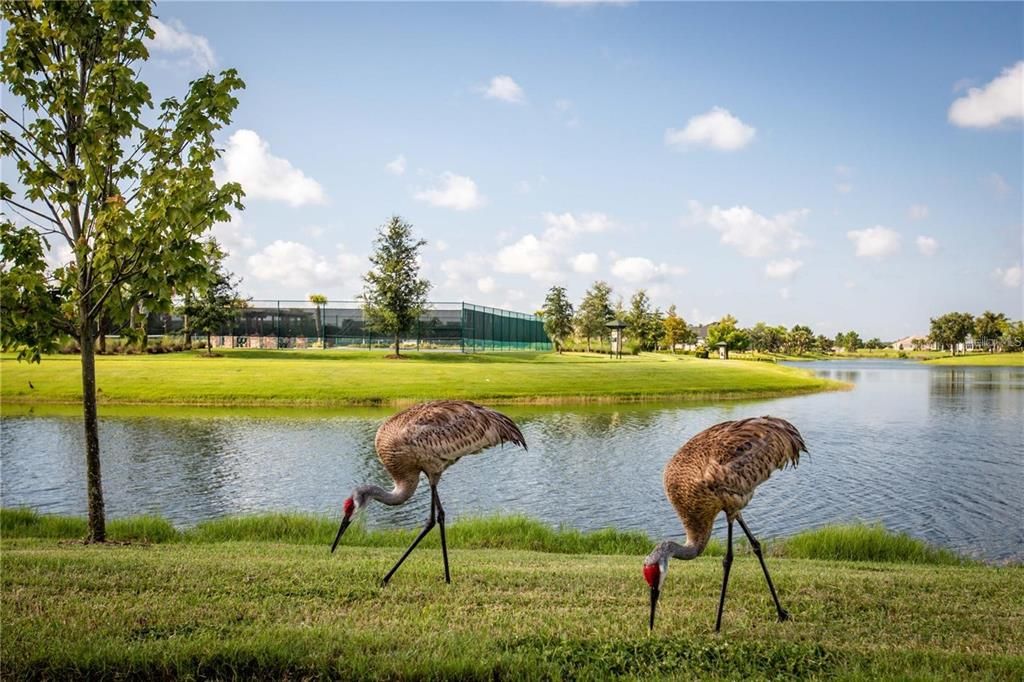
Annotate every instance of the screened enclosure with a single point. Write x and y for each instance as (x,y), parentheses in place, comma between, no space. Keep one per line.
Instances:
(340,324)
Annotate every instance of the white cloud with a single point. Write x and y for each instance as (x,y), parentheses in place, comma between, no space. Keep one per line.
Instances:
(455,191)
(875,242)
(639,270)
(505,89)
(844,187)
(529,256)
(485,284)
(561,225)
(782,269)
(248,161)
(1010,277)
(926,245)
(751,233)
(396,167)
(717,128)
(173,38)
(584,262)
(293,264)
(1000,100)
(917,212)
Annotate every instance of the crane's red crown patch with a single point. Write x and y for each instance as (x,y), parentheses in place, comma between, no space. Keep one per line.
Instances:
(651,574)
(350,507)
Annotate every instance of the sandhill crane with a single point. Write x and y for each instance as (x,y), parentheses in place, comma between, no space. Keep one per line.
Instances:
(428,438)
(717,470)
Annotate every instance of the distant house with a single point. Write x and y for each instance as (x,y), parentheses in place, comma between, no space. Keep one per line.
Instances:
(907,343)
(700,333)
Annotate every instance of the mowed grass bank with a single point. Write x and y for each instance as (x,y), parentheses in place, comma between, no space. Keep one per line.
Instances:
(327,378)
(271,610)
(982,360)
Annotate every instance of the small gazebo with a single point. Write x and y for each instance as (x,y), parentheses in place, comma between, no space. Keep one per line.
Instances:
(616,326)
(723,350)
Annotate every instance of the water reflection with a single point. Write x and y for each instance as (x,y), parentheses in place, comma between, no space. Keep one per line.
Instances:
(934,451)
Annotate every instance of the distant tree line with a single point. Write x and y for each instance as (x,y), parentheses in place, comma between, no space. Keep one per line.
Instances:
(991,331)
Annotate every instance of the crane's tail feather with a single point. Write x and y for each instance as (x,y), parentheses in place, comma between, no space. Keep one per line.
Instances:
(508,432)
(794,442)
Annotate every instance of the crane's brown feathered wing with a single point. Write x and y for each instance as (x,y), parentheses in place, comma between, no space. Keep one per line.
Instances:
(448,430)
(749,450)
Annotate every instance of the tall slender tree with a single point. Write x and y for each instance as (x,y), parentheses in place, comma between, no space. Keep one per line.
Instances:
(319,301)
(130,195)
(394,297)
(594,312)
(557,315)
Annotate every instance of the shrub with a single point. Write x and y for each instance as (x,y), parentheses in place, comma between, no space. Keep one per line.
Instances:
(702,354)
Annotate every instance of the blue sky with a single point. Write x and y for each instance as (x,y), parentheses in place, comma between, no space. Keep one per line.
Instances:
(792,163)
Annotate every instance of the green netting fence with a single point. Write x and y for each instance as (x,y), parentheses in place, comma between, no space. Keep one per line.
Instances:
(340,324)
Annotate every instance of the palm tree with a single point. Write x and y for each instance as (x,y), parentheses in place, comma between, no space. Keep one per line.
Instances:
(319,300)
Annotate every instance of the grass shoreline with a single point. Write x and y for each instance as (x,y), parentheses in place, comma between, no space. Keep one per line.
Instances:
(352,378)
(270,610)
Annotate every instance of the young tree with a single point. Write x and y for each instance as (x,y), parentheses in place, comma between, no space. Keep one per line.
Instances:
(394,297)
(557,315)
(989,328)
(850,341)
(727,331)
(319,300)
(594,312)
(800,339)
(130,198)
(951,329)
(643,324)
(823,344)
(214,306)
(675,330)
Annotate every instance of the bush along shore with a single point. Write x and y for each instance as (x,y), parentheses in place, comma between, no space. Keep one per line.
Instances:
(262,597)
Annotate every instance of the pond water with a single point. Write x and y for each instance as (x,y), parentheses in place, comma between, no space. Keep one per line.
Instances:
(933,451)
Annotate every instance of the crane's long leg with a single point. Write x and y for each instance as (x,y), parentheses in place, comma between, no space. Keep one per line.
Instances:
(756,546)
(726,565)
(423,533)
(444,541)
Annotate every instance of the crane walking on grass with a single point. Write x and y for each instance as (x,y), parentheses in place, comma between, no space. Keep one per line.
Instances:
(428,438)
(717,470)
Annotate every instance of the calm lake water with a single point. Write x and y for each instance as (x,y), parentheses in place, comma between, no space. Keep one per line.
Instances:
(937,452)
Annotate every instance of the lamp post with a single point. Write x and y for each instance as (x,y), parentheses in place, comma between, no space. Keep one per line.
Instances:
(616,326)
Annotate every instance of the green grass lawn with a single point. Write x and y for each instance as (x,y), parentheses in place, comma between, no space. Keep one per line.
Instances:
(227,608)
(361,378)
(982,360)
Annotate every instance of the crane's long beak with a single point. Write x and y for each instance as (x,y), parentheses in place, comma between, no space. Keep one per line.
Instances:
(341,531)
(654,603)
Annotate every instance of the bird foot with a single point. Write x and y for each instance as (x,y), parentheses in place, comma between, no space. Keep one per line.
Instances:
(783,615)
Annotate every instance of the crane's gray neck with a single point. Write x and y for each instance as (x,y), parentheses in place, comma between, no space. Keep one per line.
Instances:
(402,491)
(668,548)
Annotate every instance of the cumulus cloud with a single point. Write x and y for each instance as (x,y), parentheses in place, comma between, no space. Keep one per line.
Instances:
(751,233)
(1001,100)
(396,167)
(917,212)
(293,264)
(172,38)
(640,270)
(927,246)
(454,191)
(505,89)
(875,242)
(529,256)
(782,269)
(717,129)
(567,224)
(485,284)
(1010,277)
(248,161)
(584,262)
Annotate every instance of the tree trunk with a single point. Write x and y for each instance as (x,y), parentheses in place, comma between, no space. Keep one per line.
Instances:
(588,345)
(397,353)
(97,518)
(102,342)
